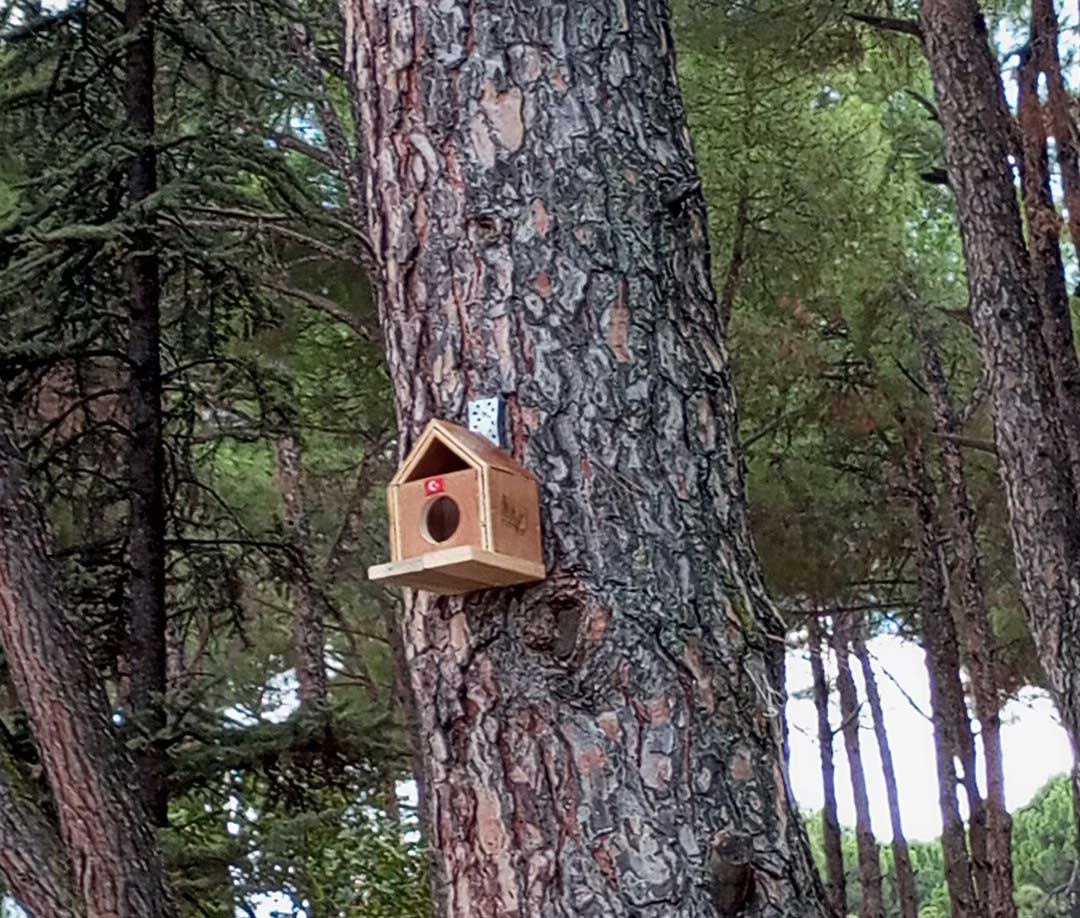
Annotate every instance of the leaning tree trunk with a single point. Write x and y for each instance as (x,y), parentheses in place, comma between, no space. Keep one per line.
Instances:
(869,853)
(977,634)
(145,656)
(610,742)
(832,836)
(906,892)
(1032,442)
(934,609)
(115,866)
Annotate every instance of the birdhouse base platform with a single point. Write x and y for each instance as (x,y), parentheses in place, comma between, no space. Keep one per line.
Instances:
(453,571)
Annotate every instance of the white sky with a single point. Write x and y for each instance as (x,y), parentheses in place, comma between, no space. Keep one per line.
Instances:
(1035,745)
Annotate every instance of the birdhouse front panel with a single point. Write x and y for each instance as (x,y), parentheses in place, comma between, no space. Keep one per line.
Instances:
(464,516)
(441,511)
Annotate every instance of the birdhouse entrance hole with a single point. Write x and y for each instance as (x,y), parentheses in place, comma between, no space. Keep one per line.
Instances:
(441,519)
(463,516)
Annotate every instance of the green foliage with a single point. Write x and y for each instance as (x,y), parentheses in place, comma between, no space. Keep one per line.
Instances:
(268,329)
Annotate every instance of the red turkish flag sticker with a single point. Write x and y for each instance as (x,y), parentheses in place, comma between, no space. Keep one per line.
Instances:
(434,486)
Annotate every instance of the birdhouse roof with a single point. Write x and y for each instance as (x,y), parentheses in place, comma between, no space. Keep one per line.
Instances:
(470,448)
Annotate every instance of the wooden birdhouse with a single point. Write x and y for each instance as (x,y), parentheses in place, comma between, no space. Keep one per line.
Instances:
(464,516)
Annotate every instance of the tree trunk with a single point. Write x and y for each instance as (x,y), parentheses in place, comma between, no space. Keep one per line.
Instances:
(116,867)
(953,709)
(609,742)
(309,631)
(1044,29)
(1030,434)
(833,838)
(869,854)
(977,634)
(1044,240)
(32,862)
(906,893)
(145,654)
(934,609)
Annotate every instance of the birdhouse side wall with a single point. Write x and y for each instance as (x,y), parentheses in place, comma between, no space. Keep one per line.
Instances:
(412,501)
(514,515)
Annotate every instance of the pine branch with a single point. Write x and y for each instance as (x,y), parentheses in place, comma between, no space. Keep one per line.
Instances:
(889,24)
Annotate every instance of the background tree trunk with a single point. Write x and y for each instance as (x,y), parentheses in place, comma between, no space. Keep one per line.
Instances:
(609,742)
(869,854)
(1044,240)
(1045,36)
(933,609)
(145,654)
(833,837)
(309,630)
(116,867)
(906,892)
(978,637)
(1030,431)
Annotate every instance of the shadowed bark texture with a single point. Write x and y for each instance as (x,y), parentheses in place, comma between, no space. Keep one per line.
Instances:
(609,742)
(145,662)
(116,867)
(32,862)
(1029,422)
(833,837)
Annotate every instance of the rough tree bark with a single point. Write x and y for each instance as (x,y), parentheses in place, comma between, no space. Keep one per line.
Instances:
(869,853)
(115,866)
(977,634)
(1032,442)
(906,892)
(309,629)
(609,742)
(934,609)
(833,837)
(145,654)
(32,861)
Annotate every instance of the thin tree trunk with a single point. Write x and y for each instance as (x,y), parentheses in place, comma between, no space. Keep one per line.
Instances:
(869,853)
(609,742)
(906,892)
(934,609)
(116,867)
(1044,238)
(833,837)
(977,634)
(1044,28)
(1030,429)
(145,654)
(309,629)
(955,710)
